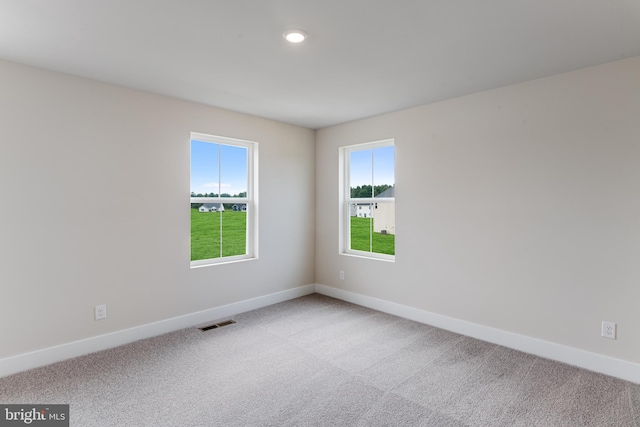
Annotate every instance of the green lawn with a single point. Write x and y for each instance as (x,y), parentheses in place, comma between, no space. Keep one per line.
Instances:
(360,232)
(205,234)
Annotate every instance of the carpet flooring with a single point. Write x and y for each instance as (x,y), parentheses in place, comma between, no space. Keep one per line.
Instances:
(318,361)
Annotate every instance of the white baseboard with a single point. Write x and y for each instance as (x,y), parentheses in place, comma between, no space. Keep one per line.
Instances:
(584,359)
(46,356)
(592,361)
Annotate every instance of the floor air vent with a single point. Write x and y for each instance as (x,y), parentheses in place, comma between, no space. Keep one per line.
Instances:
(217,325)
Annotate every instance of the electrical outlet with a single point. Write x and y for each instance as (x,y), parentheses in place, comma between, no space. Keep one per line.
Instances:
(609,330)
(341,275)
(101,311)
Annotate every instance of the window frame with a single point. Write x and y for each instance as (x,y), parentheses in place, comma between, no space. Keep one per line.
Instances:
(251,200)
(345,199)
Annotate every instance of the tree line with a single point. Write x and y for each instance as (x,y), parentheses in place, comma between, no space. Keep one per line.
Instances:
(227,206)
(362,191)
(243,194)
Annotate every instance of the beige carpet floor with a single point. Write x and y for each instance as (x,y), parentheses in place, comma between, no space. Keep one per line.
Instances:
(317,361)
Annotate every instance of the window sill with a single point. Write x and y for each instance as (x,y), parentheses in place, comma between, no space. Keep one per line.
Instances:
(379,257)
(209,263)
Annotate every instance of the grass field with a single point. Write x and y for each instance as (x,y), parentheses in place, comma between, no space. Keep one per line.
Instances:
(360,229)
(205,234)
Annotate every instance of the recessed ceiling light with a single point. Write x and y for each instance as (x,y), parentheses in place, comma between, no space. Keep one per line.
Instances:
(295,36)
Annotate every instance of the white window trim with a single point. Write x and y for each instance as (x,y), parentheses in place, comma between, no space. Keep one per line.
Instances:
(344,195)
(251,200)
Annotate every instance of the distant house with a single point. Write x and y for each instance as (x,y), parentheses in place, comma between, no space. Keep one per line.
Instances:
(385,213)
(239,207)
(211,207)
(361,210)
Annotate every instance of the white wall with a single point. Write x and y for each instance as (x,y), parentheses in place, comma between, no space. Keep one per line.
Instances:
(94,183)
(516,208)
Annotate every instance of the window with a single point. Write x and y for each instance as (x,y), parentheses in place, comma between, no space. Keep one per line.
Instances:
(368,200)
(223,199)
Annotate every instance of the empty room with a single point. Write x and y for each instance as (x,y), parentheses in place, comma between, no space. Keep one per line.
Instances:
(297,213)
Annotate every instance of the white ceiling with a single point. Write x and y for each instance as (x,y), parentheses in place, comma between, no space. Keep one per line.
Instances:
(362,57)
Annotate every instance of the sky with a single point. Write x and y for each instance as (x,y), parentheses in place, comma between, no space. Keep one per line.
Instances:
(379,160)
(218,168)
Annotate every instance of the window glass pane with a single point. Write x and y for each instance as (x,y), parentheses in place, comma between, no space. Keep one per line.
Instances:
(360,173)
(384,214)
(205,231)
(384,228)
(372,227)
(360,227)
(234,229)
(233,177)
(205,168)
(383,172)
